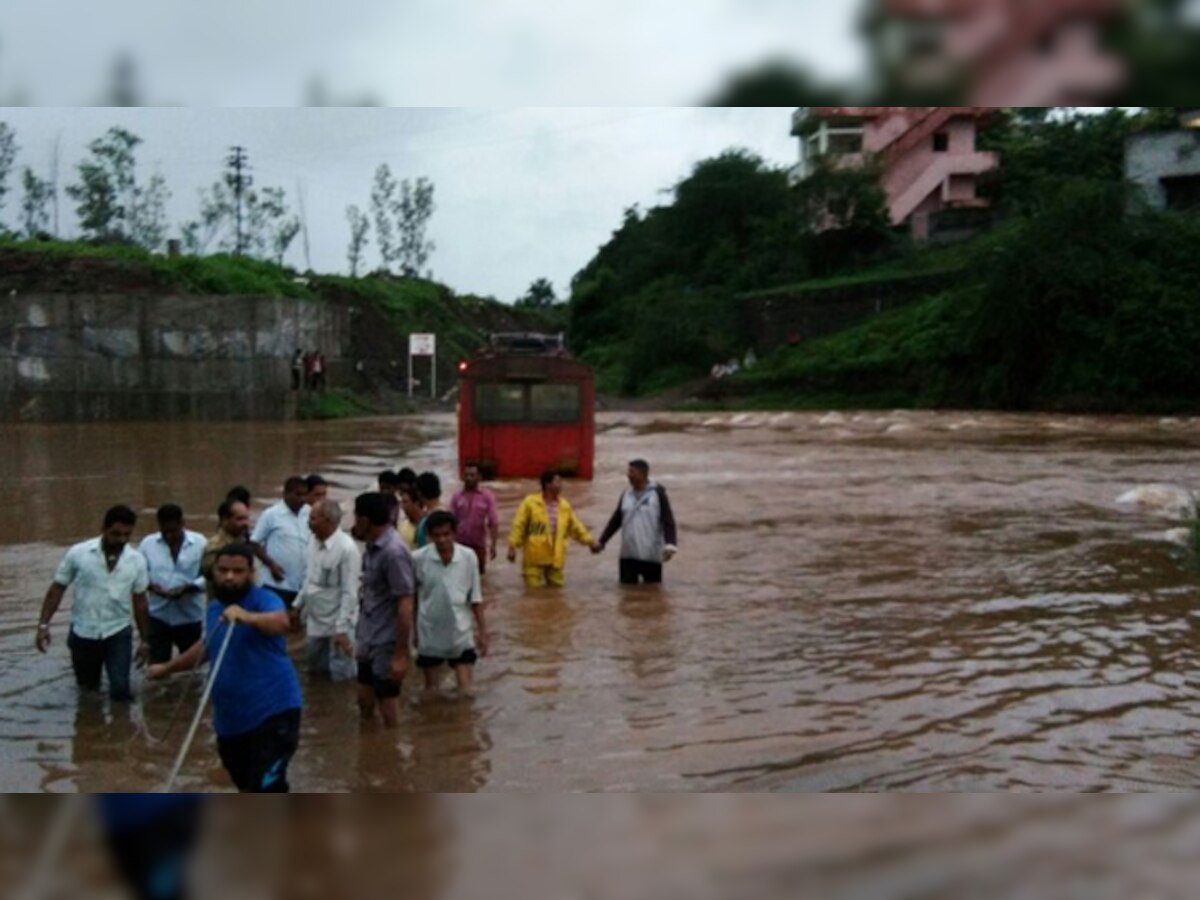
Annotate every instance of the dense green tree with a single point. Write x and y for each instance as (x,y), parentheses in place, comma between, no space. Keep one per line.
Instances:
(383,201)
(35,204)
(775,83)
(270,225)
(110,202)
(731,225)
(540,295)
(412,211)
(148,213)
(360,227)
(8,157)
(843,216)
(1039,147)
(216,222)
(1158,118)
(1091,298)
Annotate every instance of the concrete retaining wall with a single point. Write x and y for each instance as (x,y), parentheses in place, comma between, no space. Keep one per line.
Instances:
(87,358)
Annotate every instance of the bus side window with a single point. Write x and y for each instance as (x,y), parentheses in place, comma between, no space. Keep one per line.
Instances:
(497,402)
(554,403)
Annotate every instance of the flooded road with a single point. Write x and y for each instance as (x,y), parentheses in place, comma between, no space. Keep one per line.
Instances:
(916,602)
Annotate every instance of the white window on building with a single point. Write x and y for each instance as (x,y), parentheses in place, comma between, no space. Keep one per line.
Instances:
(845,137)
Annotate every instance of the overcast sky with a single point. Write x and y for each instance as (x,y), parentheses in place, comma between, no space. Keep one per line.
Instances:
(416,52)
(521,193)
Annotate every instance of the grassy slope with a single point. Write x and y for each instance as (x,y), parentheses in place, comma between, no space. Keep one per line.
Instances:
(58,264)
(913,261)
(900,359)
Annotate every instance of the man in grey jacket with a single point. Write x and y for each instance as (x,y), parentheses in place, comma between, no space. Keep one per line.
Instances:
(646,521)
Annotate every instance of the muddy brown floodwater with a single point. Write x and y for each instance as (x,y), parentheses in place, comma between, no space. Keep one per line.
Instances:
(918,602)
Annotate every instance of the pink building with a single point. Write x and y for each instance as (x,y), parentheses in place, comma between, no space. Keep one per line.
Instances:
(1011,52)
(927,154)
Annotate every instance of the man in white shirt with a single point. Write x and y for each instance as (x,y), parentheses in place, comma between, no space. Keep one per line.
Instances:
(451,626)
(109,581)
(173,557)
(328,599)
(281,541)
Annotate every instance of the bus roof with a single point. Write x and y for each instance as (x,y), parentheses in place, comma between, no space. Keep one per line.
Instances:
(527,343)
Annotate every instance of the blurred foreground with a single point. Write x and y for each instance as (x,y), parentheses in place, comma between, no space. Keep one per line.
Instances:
(714,846)
(768,53)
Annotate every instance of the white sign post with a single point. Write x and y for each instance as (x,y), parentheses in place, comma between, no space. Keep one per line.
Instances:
(423,345)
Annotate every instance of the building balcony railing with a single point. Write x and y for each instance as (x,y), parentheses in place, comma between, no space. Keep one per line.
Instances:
(836,161)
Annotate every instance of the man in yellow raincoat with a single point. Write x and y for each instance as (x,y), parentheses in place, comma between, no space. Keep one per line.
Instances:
(544,524)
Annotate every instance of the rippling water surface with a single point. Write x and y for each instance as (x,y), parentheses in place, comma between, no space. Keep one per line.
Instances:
(919,602)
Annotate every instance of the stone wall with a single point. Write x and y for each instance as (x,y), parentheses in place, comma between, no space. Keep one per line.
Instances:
(83,358)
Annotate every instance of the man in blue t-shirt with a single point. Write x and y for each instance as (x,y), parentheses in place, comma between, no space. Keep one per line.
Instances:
(256,692)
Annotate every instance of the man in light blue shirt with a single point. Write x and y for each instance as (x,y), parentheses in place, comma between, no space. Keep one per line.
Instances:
(173,557)
(281,541)
(109,581)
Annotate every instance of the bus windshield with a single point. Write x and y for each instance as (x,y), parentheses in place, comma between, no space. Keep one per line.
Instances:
(554,403)
(515,403)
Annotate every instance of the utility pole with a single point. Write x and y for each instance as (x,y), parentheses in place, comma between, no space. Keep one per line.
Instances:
(54,161)
(237,176)
(304,223)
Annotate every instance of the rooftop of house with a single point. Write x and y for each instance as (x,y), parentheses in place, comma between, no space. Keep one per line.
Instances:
(1058,9)
(812,114)
(1031,52)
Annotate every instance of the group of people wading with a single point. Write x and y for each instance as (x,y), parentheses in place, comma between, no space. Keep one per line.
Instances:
(413,593)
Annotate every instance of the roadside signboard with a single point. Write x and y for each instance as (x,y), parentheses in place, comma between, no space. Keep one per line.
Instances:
(423,345)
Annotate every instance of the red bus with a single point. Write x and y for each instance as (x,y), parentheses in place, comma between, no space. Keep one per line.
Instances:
(525,406)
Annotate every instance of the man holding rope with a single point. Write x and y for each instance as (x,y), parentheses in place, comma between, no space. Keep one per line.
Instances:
(255,689)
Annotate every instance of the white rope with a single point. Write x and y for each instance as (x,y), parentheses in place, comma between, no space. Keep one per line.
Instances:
(141,722)
(191,735)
